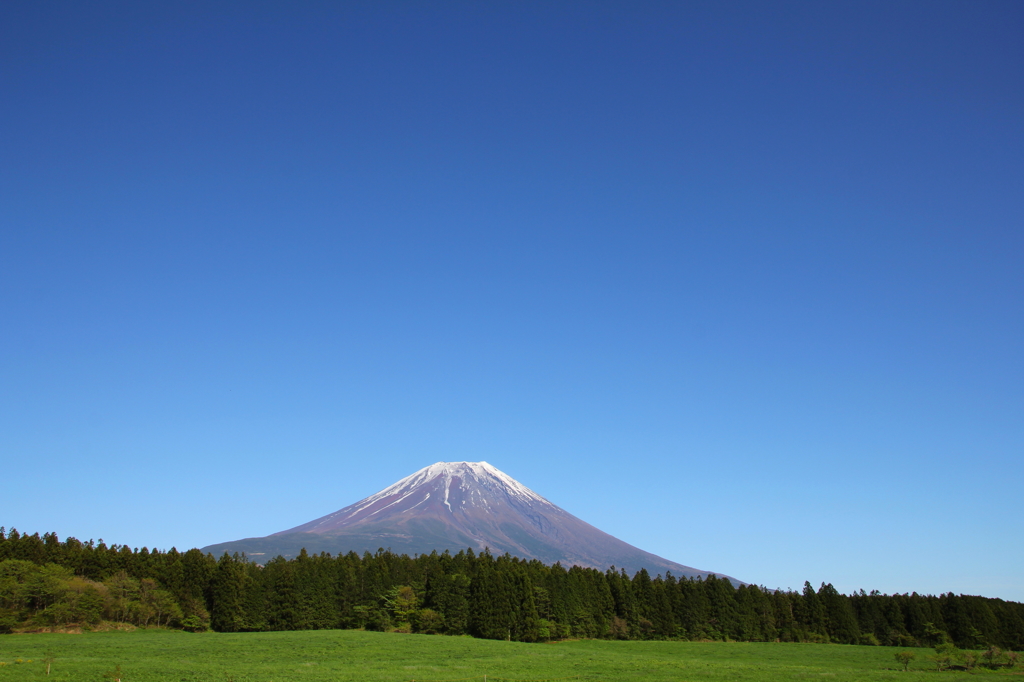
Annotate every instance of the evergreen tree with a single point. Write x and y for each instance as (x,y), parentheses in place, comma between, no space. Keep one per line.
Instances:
(813,614)
(226,596)
(841,622)
(722,597)
(44,580)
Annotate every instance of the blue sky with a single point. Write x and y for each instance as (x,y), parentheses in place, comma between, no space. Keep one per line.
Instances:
(739,283)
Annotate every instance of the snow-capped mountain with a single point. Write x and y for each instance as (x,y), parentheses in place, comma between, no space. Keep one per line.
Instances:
(464,494)
(455,506)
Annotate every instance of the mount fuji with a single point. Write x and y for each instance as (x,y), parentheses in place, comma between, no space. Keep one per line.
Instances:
(455,506)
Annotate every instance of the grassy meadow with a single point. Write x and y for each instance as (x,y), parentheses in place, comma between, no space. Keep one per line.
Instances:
(343,655)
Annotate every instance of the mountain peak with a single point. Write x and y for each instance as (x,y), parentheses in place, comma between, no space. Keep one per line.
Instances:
(472,477)
(455,505)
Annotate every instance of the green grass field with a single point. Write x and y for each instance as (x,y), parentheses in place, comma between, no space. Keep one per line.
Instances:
(319,656)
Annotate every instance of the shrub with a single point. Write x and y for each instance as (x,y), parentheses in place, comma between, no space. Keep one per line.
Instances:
(992,656)
(944,654)
(428,621)
(904,658)
(193,624)
(8,621)
(618,628)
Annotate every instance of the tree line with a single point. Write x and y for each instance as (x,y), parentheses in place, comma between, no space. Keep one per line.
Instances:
(46,582)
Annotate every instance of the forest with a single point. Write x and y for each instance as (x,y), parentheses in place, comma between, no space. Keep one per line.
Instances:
(47,583)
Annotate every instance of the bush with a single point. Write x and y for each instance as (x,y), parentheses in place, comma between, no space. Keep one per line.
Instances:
(377,620)
(904,658)
(901,639)
(56,614)
(8,621)
(618,628)
(193,624)
(993,657)
(944,654)
(428,621)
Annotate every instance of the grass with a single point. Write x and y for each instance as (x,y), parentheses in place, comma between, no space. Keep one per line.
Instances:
(341,656)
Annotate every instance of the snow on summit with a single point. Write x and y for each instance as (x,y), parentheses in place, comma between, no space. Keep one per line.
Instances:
(468,476)
(478,481)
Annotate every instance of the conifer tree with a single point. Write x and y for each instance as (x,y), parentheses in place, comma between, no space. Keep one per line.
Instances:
(226,612)
(813,612)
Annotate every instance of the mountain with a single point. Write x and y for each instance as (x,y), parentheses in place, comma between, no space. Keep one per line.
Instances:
(455,506)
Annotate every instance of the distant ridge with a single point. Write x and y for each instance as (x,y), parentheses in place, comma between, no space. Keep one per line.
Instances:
(455,506)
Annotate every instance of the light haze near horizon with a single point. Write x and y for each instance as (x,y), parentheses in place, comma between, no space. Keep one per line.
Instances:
(737,283)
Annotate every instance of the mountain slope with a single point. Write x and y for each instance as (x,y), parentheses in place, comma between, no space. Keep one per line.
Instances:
(454,506)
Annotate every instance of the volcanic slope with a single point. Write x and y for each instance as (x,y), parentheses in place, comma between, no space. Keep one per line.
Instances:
(455,506)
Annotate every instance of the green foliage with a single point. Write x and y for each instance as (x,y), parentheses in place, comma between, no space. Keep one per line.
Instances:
(933,635)
(54,585)
(427,621)
(193,624)
(401,601)
(904,658)
(8,621)
(993,656)
(944,655)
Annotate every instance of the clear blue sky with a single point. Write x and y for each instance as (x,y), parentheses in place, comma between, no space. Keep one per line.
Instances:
(739,283)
